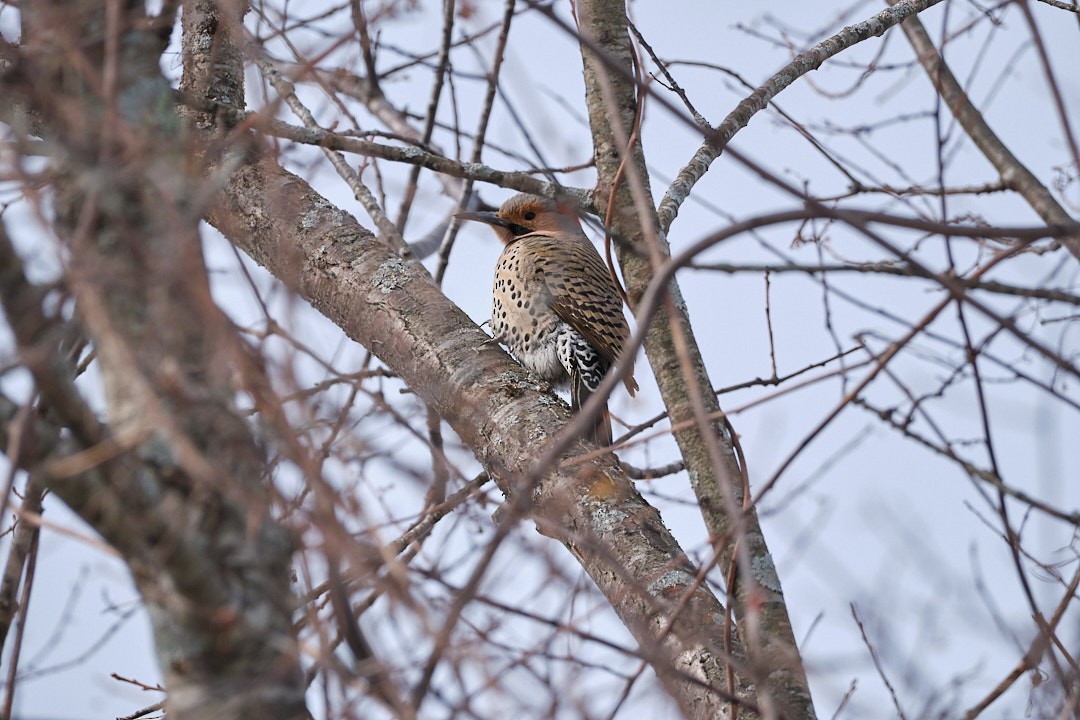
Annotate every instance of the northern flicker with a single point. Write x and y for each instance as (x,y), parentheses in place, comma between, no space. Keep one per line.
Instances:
(554,305)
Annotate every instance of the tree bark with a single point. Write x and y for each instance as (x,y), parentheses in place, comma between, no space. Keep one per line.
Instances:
(707,446)
(186,502)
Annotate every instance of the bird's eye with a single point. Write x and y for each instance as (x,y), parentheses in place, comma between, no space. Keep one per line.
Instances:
(530,215)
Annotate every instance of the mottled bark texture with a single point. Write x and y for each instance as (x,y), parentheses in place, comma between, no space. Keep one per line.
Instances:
(185,501)
(390,305)
(775,667)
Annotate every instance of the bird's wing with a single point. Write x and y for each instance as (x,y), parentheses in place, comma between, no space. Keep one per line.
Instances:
(566,274)
(590,303)
(584,296)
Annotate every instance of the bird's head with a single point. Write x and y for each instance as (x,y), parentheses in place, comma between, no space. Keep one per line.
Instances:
(528,214)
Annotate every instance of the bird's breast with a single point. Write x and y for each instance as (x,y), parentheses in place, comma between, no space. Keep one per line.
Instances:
(521,315)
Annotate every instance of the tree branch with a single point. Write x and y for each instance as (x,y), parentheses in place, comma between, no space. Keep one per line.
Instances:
(707,447)
(800,65)
(1013,172)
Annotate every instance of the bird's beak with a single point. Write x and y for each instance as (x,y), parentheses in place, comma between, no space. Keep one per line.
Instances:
(489,218)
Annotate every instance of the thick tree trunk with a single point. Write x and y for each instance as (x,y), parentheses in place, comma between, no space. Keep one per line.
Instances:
(775,667)
(187,502)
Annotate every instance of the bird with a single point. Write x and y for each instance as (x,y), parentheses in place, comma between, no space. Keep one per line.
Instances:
(555,306)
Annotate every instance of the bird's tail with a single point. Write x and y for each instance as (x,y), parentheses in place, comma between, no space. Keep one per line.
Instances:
(601,430)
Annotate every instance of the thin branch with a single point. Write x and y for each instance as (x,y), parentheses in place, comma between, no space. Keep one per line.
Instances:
(23,540)
(877,663)
(20,627)
(892,268)
(1013,172)
(1062,5)
(801,64)
(481,133)
(433,103)
(159,705)
(986,476)
(1030,660)
(287,92)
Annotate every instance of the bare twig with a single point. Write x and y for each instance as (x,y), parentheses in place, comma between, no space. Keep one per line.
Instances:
(803,63)
(877,663)
(1013,172)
